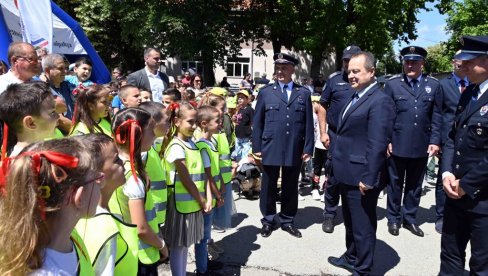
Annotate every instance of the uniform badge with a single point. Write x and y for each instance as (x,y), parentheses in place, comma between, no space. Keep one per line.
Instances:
(300,100)
(479,131)
(428,89)
(483,110)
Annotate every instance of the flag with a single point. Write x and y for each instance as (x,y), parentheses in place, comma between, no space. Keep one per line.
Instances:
(36,19)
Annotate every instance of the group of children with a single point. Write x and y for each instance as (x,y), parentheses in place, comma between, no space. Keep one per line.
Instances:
(120,194)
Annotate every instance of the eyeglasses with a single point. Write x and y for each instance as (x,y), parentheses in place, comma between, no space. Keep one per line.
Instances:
(29,59)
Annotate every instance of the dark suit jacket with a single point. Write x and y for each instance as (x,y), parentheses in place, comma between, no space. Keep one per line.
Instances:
(283,131)
(362,138)
(450,99)
(466,151)
(139,78)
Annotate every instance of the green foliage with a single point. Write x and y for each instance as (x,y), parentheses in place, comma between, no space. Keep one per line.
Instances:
(438,60)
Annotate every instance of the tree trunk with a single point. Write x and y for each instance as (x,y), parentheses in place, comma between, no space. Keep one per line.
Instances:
(208,69)
(316,64)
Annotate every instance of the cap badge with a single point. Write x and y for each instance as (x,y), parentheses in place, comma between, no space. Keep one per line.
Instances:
(479,131)
(412,49)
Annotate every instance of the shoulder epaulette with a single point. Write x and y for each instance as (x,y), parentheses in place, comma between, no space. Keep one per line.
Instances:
(430,77)
(334,74)
(395,76)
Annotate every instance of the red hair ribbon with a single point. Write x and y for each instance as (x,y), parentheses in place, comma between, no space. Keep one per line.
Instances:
(130,131)
(193,103)
(78,88)
(4,141)
(4,165)
(173,106)
(53,157)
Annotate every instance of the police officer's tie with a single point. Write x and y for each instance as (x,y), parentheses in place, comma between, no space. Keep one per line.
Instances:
(285,93)
(462,84)
(415,86)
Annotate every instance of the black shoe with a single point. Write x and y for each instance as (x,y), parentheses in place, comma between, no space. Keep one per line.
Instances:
(438,225)
(341,262)
(394,228)
(266,230)
(208,273)
(328,225)
(214,265)
(414,229)
(292,230)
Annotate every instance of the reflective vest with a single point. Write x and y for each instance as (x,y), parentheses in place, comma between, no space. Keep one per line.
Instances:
(222,145)
(185,203)
(58,134)
(214,164)
(85,267)
(119,205)
(80,128)
(158,190)
(104,227)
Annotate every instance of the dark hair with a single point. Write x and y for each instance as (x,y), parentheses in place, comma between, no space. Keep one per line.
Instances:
(154,108)
(95,143)
(85,97)
(20,100)
(123,133)
(369,59)
(149,50)
(83,60)
(190,94)
(174,93)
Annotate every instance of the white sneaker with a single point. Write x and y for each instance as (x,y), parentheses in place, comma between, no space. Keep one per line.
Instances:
(315,194)
(300,197)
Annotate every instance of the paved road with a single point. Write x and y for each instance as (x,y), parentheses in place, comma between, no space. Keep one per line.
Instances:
(247,253)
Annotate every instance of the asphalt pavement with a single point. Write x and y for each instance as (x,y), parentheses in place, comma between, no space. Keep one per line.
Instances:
(247,253)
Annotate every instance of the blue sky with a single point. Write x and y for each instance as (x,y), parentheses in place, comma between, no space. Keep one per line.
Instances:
(430,29)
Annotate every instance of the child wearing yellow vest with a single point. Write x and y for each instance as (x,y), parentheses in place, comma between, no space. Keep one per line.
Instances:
(109,241)
(91,113)
(46,189)
(133,134)
(188,193)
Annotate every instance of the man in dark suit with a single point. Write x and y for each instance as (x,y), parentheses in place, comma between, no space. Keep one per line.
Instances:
(283,136)
(465,168)
(365,126)
(416,136)
(451,88)
(149,77)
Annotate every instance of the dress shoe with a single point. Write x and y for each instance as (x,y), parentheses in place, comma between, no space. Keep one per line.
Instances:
(394,229)
(292,230)
(438,226)
(266,230)
(414,229)
(328,225)
(341,262)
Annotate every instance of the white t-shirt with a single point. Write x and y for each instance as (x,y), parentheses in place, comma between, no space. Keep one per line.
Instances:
(157,86)
(316,129)
(7,79)
(58,263)
(177,153)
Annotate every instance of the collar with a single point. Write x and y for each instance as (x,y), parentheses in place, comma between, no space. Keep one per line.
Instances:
(149,74)
(418,79)
(290,85)
(458,79)
(364,90)
(483,87)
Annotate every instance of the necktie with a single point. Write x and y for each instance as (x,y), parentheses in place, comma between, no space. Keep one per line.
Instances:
(285,93)
(355,98)
(462,83)
(414,83)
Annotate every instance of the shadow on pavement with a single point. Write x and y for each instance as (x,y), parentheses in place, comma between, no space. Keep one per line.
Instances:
(385,258)
(238,219)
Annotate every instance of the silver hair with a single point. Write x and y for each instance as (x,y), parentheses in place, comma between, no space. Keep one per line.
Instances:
(49,61)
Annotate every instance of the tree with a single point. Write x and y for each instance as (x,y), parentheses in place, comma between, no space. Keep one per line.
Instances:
(437,60)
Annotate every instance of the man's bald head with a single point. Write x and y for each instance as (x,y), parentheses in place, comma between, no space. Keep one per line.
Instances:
(19,49)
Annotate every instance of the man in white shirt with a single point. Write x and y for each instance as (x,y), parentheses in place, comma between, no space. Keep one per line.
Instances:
(24,64)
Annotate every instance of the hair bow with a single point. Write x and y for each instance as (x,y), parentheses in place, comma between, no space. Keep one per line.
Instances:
(130,131)
(173,106)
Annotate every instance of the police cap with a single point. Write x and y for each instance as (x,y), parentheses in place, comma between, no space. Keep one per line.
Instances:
(349,51)
(282,58)
(413,53)
(472,47)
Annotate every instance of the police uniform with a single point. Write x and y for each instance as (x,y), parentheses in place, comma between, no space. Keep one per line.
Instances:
(282,132)
(465,156)
(417,125)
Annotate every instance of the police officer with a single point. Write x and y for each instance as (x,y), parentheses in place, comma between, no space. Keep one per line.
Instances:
(336,95)
(283,136)
(451,88)
(465,168)
(416,135)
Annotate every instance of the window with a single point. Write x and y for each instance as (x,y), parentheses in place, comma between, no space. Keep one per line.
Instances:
(237,67)
(195,66)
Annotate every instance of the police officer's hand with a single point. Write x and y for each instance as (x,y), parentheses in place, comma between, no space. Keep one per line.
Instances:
(433,150)
(450,185)
(363,188)
(389,150)
(324,138)
(306,157)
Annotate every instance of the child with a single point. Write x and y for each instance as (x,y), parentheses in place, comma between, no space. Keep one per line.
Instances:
(111,243)
(130,96)
(208,119)
(153,163)
(92,111)
(187,192)
(146,96)
(171,95)
(243,121)
(83,70)
(28,114)
(249,176)
(133,132)
(47,189)
(320,153)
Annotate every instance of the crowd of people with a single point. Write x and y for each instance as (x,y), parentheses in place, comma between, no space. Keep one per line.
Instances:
(117,178)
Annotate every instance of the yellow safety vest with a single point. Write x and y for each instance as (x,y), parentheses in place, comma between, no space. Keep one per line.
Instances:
(80,128)
(214,164)
(84,264)
(185,203)
(158,190)
(101,229)
(119,205)
(222,145)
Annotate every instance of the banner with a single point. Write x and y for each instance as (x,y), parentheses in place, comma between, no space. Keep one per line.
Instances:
(36,23)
